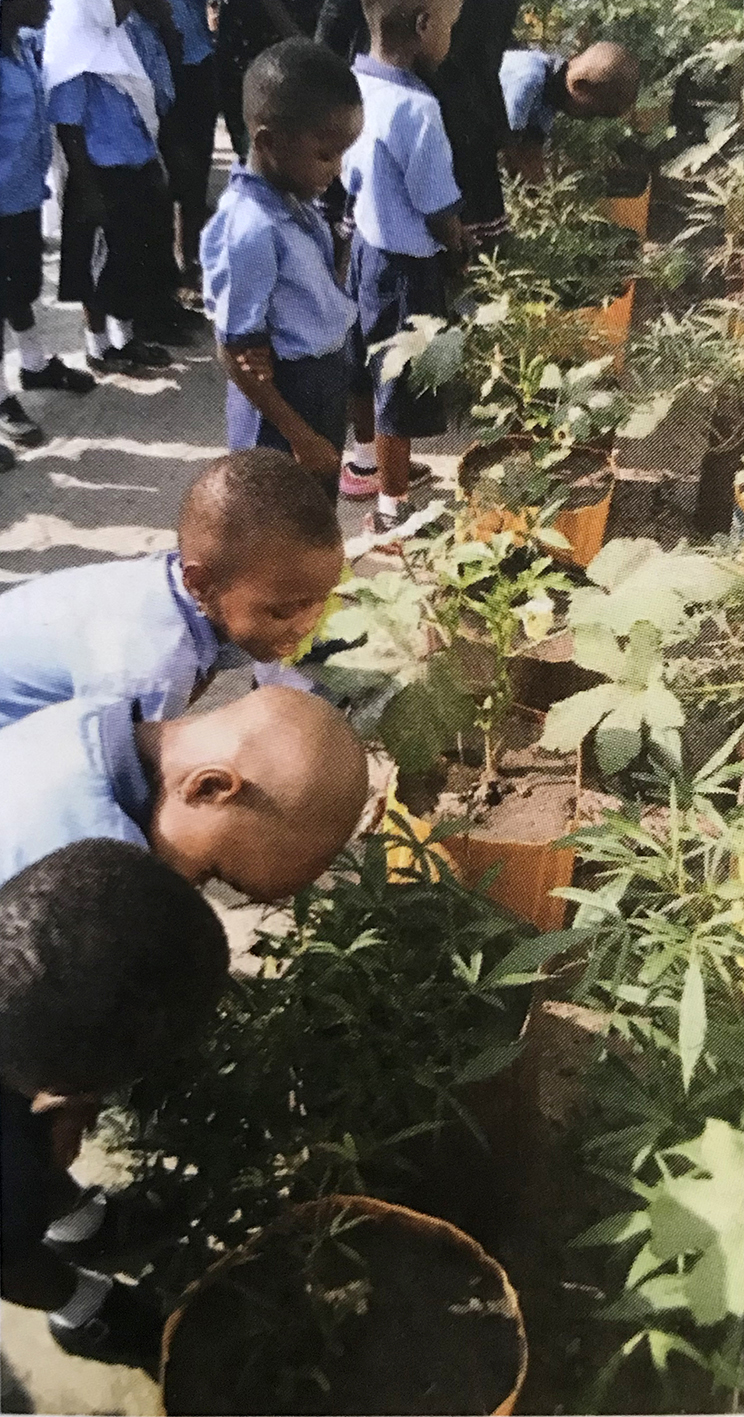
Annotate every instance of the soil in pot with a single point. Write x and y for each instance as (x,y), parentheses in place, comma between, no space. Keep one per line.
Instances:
(432,1325)
(627,182)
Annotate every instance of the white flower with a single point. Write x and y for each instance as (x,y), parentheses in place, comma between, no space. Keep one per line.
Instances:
(536,617)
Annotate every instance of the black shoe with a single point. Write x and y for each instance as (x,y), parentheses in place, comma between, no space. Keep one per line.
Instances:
(164,332)
(7,458)
(127,1329)
(16,425)
(136,358)
(129,1222)
(56,375)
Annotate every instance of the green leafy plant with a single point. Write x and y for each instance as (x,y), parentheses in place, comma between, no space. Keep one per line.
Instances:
(639,598)
(720,204)
(371,1013)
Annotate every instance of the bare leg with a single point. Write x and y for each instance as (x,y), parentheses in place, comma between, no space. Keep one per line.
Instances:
(393,464)
(363,417)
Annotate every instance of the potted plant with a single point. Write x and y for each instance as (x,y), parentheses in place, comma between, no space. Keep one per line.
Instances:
(615,169)
(348,1305)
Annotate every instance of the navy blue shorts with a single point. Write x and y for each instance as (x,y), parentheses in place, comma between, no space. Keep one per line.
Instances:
(388,288)
(316,388)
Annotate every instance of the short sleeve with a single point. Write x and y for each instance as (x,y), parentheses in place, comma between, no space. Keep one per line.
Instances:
(240,267)
(522,85)
(67,102)
(427,173)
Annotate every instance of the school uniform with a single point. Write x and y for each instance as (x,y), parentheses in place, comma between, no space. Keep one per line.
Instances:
(27,1175)
(269,278)
(126,279)
(187,133)
(526,77)
(399,173)
(25,155)
(153,56)
(69,773)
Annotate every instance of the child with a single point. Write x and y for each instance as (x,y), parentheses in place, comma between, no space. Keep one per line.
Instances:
(110,966)
(260,552)
(602,82)
(281,319)
(103,104)
(406,200)
(261,793)
(187,134)
(25,155)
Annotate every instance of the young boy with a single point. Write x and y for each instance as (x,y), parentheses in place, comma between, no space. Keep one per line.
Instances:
(25,155)
(103,104)
(406,200)
(602,82)
(110,965)
(281,319)
(261,794)
(260,551)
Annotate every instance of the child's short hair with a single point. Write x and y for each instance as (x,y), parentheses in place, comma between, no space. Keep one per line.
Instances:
(245,497)
(390,17)
(110,964)
(296,84)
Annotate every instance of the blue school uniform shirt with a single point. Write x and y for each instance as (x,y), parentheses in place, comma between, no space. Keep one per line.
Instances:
(121,629)
(400,169)
(190,17)
(269,271)
(115,132)
(153,57)
(523,76)
(69,773)
(25,134)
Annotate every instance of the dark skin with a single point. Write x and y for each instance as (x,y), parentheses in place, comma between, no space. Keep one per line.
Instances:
(303,164)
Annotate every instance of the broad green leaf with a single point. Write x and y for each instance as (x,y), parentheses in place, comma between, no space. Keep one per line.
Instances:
(595,648)
(616,747)
(620,559)
(615,1230)
(532,954)
(645,1264)
(440,362)
(643,655)
(493,313)
(582,376)
(570,720)
(645,419)
(692,1020)
(551,378)
(662,1344)
(492,1060)
(603,902)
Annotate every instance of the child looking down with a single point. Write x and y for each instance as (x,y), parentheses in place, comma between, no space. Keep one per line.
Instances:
(406,202)
(602,82)
(281,317)
(260,551)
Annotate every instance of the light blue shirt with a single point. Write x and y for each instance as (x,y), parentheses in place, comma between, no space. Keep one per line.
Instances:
(122,629)
(25,135)
(269,271)
(190,17)
(153,56)
(115,132)
(523,76)
(400,169)
(69,773)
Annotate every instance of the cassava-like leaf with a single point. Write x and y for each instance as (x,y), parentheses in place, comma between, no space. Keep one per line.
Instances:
(692,1019)
(570,720)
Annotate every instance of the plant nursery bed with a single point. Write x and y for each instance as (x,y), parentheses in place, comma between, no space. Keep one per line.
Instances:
(430,1325)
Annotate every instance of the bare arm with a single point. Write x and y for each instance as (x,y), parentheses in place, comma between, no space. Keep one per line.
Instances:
(526,160)
(447,229)
(251,372)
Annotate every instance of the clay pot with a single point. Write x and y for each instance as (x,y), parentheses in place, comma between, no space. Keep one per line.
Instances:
(193,1376)
(599,328)
(645,117)
(629,212)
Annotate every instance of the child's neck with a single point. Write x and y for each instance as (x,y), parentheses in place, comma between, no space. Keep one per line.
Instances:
(396,56)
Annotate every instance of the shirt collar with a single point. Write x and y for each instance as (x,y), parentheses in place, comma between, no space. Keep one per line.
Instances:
(284,206)
(123,766)
(200,628)
(365,64)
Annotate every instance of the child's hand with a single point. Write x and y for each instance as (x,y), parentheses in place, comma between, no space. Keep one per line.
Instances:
(316,454)
(257,362)
(70,1119)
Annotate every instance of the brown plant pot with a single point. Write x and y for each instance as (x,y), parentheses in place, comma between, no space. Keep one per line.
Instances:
(644,118)
(204,1339)
(583,526)
(629,212)
(599,329)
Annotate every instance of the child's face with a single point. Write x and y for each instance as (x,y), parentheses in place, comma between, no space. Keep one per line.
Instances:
(269,611)
(434,26)
(307,163)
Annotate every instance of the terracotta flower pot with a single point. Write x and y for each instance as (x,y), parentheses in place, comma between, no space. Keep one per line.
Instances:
(629,212)
(198,1378)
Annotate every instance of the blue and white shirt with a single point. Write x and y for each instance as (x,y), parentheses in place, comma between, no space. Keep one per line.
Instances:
(115,131)
(25,133)
(400,169)
(153,57)
(190,17)
(269,272)
(523,76)
(69,773)
(121,629)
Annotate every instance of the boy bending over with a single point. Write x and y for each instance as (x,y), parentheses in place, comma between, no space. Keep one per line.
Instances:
(110,965)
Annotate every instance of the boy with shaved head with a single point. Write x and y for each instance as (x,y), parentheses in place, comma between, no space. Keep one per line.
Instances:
(601,82)
(260,551)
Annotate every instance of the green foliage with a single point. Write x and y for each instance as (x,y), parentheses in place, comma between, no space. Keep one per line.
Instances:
(690,354)
(368,1016)
(719,203)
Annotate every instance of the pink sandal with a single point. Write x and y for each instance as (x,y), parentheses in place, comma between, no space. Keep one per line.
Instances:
(358,485)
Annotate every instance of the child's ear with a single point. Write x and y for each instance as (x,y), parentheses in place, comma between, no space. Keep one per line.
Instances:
(212,786)
(262,142)
(421,21)
(197,580)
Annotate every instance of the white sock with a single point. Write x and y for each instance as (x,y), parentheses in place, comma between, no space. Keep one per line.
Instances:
(388,506)
(80,1224)
(34,357)
(120,331)
(364,456)
(95,344)
(4,390)
(90,1291)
